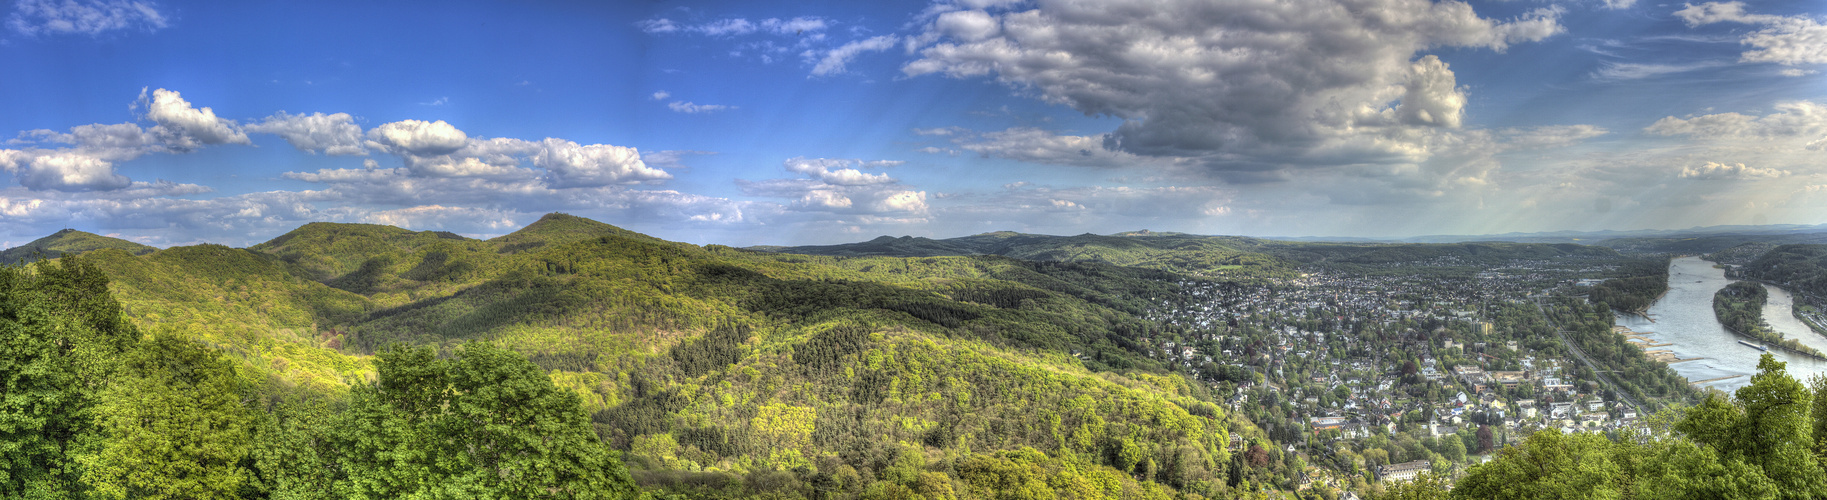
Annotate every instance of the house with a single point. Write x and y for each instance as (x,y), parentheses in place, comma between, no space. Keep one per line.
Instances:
(1560,410)
(1508,379)
(1404,471)
(1470,374)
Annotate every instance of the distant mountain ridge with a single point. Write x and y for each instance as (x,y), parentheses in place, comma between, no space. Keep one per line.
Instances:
(1229,256)
(68,241)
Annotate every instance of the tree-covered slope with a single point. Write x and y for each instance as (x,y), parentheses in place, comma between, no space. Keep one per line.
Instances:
(731,372)
(68,241)
(1802,267)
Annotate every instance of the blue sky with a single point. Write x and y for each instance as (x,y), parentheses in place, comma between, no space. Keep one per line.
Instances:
(747,123)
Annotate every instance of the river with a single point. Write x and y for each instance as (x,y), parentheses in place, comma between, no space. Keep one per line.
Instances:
(1684,318)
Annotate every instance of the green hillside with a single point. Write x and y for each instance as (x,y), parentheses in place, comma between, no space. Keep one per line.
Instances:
(68,241)
(727,372)
(1211,255)
(1228,257)
(1800,267)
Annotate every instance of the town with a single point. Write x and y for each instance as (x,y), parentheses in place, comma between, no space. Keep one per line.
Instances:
(1379,373)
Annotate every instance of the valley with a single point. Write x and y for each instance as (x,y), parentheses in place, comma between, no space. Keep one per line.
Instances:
(1125,366)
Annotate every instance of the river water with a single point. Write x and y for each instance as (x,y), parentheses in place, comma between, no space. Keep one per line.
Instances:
(1684,318)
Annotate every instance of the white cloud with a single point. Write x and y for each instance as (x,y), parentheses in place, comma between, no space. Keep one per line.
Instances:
(1783,40)
(672,158)
(1791,119)
(571,165)
(1720,12)
(1243,86)
(794,26)
(1552,136)
(438,217)
(1611,71)
(903,201)
(1430,97)
(1732,171)
(69,172)
(112,142)
(661,95)
(659,25)
(85,17)
(833,61)
(822,169)
(736,26)
(967,25)
(726,27)
(688,107)
(1033,145)
(417,138)
(837,186)
(183,127)
(334,134)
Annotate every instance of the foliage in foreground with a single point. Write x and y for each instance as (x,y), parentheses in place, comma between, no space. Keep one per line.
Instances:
(1768,442)
(91,409)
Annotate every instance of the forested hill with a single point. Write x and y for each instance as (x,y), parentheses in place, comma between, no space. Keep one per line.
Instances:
(1801,267)
(1226,255)
(1219,256)
(725,372)
(67,241)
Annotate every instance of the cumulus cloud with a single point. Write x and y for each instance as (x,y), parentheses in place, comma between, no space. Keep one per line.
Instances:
(183,127)
(1730,171)
(1237,84)
(418,138)
(1430,98)
(334,134)
(839,186)
(84,17)
(831,62)
(1789,41)
(67,172)
(571,165)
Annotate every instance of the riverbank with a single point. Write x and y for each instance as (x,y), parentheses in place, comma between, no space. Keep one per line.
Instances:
(1684,317)
(1739,308)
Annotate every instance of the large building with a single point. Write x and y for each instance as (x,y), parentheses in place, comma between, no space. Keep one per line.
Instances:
(1404,471)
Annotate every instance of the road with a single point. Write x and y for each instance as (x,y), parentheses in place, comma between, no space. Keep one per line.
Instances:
(1558,332)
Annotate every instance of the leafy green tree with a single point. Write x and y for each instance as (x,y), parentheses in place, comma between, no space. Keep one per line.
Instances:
(172,425)
(1427,486)
(1773,430)
(61,334)
(1549,465)
(487,424)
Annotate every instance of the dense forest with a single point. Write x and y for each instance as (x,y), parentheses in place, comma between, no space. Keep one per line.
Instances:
(707,371)
(95,408)
(1766,442)
(1802,268)
(1647,281)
